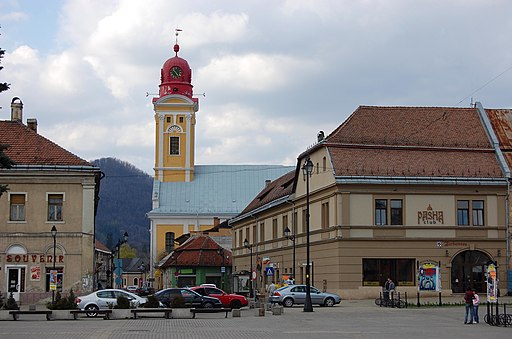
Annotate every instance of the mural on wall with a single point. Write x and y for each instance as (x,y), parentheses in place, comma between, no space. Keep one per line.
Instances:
(35,273)
(492,284)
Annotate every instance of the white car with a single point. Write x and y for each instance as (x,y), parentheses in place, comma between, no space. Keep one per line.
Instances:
(105,299)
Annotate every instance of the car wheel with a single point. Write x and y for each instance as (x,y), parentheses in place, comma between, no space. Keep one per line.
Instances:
(288,302)
(235,304)
(91,308)
(207,305)
(329,302)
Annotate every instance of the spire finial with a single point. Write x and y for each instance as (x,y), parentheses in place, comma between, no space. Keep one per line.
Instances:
(176,46)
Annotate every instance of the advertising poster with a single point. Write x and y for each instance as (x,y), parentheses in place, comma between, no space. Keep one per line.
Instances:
(53,280)
(429,277)
(492,284)
(35,273)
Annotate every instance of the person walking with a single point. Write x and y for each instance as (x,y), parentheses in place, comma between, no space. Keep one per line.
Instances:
(476,303)
(468,300)
(271,289)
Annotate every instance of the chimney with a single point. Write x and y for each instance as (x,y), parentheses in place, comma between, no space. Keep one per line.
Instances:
(32,124)
(267,182)
(16,109)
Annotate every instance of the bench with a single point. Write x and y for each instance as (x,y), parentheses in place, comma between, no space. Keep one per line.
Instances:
(16,313)
(166,311)
(106,313)
(209,310)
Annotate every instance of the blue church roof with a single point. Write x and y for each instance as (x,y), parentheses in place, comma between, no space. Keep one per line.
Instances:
(216,189)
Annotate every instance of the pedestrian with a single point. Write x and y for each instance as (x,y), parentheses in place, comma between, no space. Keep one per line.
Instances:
(389,287)
(468,300)
(271,289)
(476,302)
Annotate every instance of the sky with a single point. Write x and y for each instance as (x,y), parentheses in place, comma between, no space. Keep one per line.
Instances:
(269,74)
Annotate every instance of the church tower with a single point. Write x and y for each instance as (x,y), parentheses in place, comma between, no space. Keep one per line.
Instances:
(175,120)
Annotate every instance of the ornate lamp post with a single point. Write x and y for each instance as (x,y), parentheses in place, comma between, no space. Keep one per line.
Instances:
(288,235)
(142,269)
(248,246)
(307,169)
(54,235)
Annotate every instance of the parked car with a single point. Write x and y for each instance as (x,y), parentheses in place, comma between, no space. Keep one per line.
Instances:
(105,299)
(144,291)
(132,288)
(296,294)
(230,300)
(191,298)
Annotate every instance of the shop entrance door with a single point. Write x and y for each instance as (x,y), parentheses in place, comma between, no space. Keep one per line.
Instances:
(14,282)
(468,269)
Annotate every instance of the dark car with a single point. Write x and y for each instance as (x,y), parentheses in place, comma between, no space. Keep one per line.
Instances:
(190,298)
(230,300)
(145,291)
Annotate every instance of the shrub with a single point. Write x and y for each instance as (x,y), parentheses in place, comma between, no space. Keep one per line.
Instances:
(122,303)
(60,303)
(11,303)
(152,302)
(178,302)
(1,299)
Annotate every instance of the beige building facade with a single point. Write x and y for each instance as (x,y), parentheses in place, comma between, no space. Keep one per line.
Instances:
(393,189)
(48,186)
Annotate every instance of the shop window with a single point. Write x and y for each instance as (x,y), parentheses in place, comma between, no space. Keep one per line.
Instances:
(17,209)
(174,145)
(55,207)
(376,271)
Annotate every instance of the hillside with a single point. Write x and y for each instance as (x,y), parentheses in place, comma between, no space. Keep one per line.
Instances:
(125,198)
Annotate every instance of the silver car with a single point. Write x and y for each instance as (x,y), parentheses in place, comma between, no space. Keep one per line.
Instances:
(296,294)
(105,299)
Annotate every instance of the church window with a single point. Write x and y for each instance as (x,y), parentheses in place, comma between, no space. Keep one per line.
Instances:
(168,119)
(181,119)
(174,145)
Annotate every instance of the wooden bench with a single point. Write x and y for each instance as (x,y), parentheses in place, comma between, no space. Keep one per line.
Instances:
(106,313)
(16,313)
(166,311)
(209,310)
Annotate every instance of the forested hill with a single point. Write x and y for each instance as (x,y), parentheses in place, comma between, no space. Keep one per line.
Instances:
(125,198)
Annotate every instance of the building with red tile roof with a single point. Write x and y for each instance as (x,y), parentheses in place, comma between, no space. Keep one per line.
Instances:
(392,190)
(49,188)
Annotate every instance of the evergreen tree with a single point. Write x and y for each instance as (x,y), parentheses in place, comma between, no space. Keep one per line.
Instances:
(5,162)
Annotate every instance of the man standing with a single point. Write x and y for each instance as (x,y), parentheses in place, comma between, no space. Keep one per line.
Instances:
(389,286)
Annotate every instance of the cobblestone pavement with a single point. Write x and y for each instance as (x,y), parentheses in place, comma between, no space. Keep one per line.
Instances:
(351,319)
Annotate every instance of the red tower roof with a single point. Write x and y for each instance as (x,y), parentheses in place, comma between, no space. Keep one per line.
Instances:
(176,76)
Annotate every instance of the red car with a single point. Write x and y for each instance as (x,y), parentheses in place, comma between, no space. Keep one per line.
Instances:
(228,300)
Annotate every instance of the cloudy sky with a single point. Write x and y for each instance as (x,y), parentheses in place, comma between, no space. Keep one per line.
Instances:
(273,73)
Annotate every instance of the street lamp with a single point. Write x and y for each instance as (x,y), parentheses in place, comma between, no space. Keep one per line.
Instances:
(54,235)
(307,169)
(142,269)
(288,235)
(248,246)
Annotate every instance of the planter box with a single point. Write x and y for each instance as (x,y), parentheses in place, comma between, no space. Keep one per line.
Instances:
(61,315)
(119,313)
(181,313)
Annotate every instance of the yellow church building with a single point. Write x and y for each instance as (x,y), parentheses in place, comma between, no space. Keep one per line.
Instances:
(188,197)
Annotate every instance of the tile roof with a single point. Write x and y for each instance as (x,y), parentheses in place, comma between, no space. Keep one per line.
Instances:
(216,189)
(200,250)
(281,187)
(30,148)
(101,246)
(412,141)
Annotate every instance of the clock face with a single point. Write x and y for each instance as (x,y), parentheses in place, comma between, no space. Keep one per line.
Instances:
(175,72)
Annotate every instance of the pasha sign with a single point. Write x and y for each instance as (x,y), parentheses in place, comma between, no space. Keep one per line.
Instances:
(430,217)
(33,258)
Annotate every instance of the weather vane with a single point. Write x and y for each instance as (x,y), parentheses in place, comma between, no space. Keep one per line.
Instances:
(177,33)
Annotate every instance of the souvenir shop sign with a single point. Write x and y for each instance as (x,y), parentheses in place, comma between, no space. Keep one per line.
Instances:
(33,258)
